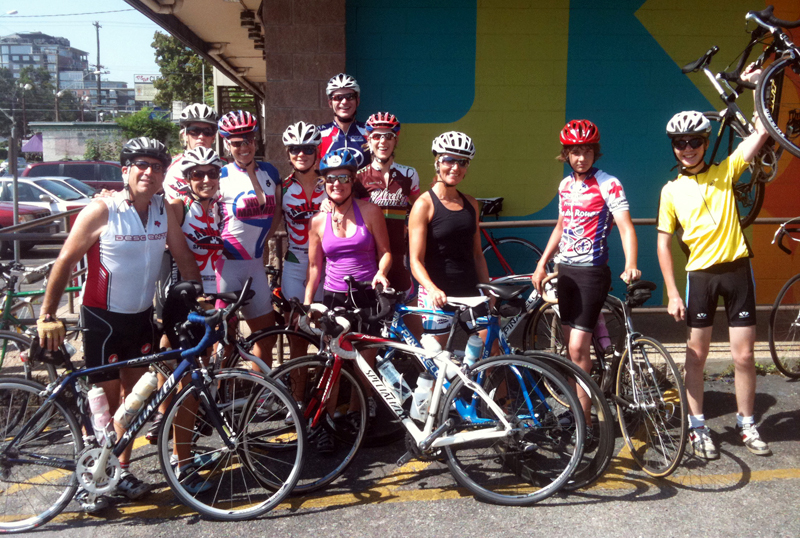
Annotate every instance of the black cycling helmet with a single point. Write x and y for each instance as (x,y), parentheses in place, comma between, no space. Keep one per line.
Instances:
(144,147)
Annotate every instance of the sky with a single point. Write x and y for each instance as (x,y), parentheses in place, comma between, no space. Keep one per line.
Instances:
(125,36)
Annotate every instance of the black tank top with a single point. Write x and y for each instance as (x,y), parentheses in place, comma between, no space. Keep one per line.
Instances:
(449,258)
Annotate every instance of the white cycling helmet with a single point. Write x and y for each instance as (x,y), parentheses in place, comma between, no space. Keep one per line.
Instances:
(342,82)
(455,143)
(200,156)
(302,134)
(198,113)
(689,122)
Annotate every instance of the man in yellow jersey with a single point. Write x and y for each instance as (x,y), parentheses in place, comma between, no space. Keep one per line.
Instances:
(701,202)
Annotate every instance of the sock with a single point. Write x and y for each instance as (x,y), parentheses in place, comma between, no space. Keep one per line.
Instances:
(697,421)
(125,466)
(743,421)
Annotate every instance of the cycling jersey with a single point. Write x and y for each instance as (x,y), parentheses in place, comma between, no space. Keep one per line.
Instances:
(245,222)
(587,207)
(174,183)
(704,206)
(298,208)
(355,140)
(201,228)
(123,264)
(394,200)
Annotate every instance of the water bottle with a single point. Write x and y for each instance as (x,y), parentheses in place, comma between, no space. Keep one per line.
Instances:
(601,333)
(394,379)
(422,397)
(98,404)
(474,350)
(141,391)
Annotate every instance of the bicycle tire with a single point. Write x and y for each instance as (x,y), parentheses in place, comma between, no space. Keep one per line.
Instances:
(595,459)
(774,113)
(784,329)
(347,431)
(14,349)
(520,254)
(655,429)
(30,494)
(262,439)
(540,457)
(748,189)
(236,361)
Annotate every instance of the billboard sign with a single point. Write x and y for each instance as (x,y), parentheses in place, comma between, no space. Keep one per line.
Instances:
(143,87)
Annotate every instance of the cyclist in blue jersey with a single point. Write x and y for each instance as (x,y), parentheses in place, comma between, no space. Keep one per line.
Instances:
(249,193)
(344,132)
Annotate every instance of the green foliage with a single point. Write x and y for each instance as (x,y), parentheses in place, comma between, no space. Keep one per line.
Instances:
(106,150)
(181,72)
(146,123)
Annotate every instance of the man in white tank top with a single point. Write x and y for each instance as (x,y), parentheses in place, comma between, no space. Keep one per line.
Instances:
(124,236)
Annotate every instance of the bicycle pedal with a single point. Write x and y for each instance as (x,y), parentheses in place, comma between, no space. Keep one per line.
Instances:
(405,458)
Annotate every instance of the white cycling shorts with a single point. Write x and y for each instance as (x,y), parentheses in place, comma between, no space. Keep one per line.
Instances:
(231,276)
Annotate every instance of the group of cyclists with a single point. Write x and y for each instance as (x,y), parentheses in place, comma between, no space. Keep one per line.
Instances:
(350,209)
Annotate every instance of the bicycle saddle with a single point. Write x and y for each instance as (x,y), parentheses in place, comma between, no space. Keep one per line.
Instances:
(639,285)
(469,302)
(505,293)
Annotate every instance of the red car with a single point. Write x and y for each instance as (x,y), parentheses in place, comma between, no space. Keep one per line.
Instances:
(27,213)
(97,174)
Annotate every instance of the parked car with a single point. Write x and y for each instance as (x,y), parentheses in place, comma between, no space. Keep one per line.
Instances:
(97,174)
(27,213)
(44,193)
(75,184)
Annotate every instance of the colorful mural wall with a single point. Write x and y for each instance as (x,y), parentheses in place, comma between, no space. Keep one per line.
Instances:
(511,72)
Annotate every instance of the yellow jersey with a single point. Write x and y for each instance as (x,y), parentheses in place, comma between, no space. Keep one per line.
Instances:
(704,206)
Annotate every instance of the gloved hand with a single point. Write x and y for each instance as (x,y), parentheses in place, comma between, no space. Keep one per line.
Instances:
(51,332)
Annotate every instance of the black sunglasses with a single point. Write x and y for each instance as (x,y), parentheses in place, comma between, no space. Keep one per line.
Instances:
(200,174)
(694,143)
(343,179)
(144,165)
(305,150)
(243,142)
(197,131)
(344,97)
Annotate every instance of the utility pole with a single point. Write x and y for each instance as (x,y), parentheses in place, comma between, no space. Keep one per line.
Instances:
(58,89)
(96,24)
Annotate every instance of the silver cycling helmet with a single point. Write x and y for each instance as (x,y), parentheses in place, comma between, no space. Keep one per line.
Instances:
(199,156)
(689,122)
(455,143)
(198,113)
(342,82)
(302,134)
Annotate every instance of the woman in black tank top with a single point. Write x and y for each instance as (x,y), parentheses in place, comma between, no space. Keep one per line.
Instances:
(444,243)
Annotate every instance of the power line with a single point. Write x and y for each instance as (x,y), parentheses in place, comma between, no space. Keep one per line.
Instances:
(62,14)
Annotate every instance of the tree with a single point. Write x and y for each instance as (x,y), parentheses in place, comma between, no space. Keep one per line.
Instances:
(151,124)
(181,73)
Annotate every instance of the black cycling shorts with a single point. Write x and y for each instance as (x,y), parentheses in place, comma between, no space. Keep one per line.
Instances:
(364,299)
(112,337)
(581,293)
(734,282)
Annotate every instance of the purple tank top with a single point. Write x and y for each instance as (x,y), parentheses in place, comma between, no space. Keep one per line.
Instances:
(354,256)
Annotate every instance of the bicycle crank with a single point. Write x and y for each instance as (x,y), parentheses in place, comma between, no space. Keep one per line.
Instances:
(98,473)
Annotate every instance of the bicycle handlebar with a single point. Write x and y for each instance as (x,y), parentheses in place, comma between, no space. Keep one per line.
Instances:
(768,21)
(782,232)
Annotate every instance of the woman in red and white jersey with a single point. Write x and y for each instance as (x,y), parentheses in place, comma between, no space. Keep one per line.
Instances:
(590,201)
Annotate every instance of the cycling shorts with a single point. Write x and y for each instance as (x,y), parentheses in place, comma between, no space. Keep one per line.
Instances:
(113,337)
(294,276)
(364,299)
(734,282)
(231,276)
(581,292)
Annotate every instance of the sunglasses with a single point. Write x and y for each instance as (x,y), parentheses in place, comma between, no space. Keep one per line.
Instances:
(344,97)
(305,150)
(200,174)
(382,136)
(239,143)
(694,143)
(197,131)
(452,161)
(144,165)
(343,179)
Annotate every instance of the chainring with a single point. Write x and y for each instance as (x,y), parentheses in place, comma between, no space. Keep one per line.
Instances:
(85,467)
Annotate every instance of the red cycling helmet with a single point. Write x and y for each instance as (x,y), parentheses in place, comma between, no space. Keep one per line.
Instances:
(238,122)
(383,120)
(578,132)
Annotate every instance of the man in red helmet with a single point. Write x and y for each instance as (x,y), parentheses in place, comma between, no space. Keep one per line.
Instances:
(590,201)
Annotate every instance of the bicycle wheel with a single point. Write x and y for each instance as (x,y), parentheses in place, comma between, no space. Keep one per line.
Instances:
(14,349)
(597,451)
(33,493)
(512,256)
(784,329)
(545,447)
(651,407)
(283,337)
(334,442)
(748,189)
(224,482)
(778,103)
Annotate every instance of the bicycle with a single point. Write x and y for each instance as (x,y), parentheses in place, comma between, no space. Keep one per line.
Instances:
(506,255)
(502,432)
(44,460)
(784,317)
(640,378)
